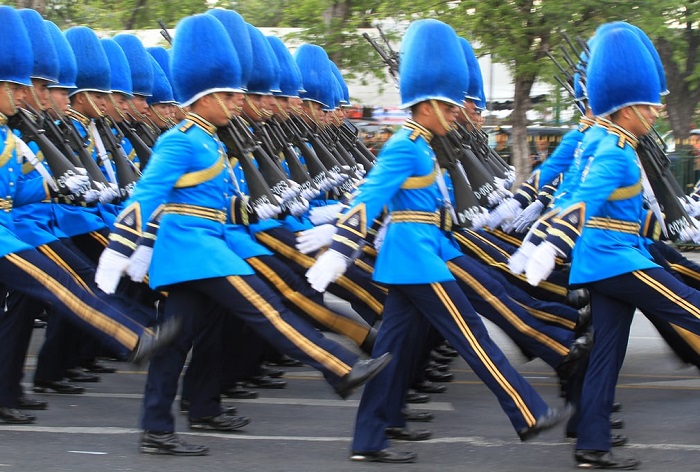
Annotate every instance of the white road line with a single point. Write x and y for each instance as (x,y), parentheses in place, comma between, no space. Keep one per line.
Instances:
(475,441)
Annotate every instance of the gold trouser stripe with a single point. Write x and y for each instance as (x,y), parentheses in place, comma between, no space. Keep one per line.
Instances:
(352,329)
(94,317)
(548,317)
(484,256)
(506,312)
(322,356)
(692,339)
(482,355)
(100,238)
(58,260)
(307,261)
(668,293)
(504,237)
(684,271)
(364,266)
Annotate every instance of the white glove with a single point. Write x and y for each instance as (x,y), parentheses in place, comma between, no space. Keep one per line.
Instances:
(309,192)
(325,214)
(265,211)
(325,184)
(298,206)
(527,216)
(139,262)
(361,170)
(327,268)
(337,178)
(77,184)
(315,238)
(91,195)
(109,193)
(481,219)
(506,211)
(541,264)
(518,261)
(111,267)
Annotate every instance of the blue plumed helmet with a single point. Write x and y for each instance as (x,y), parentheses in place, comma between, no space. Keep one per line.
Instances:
(645,40)
(621,72)
(162,57)
(237,30)
(67,68)
(316,73)
(119,67)
(45,57)
(203,60)
(481,102)
(91,61)
(265,76)
(432,65)
(476,81)
(344,91)
(162,91)
(139,63)
(17,58)
(290,76)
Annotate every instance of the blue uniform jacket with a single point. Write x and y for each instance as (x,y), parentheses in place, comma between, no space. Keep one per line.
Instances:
(403,179)
(188,167)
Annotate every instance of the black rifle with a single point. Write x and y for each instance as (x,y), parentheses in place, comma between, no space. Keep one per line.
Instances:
(390,58)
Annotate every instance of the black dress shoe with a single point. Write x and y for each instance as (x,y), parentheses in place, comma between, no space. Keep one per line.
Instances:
(226,410)
(79,375)
(415,397)
(14,416)
(578,298)
(238,393)
(28,403)
(273,372)
(98,368)
(361,372)
(426,386)
(60,386)
(578,352)
(285,361)
(616,423)
(553,417)
(418,416)
(440,359)
(446,351)
(617,406)
(385,455)
(221,422)
(150,342)
(405,434)
(583,322)
(586,459)
(616,440)
(437,376)
(153,442)
(40,324)
(432,365)
(263,381)
(368,344)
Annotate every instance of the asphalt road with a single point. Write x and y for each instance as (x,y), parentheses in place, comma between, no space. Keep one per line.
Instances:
(305,427)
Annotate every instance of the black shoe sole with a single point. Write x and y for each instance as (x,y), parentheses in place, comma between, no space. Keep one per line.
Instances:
(168,452)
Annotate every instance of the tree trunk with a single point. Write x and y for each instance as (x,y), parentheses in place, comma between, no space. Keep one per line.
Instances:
(38,5)
(335,18)
(130,24)
(519,146)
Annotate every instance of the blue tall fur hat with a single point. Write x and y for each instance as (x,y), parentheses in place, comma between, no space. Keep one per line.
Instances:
(345,92)
(162,57)
(476,81)
(621,72)
(203,59)
(645,40)
(290,76)
(237,30)
(45,57)
(67,68)
(91,61)
(120,77)
(139,63)
(432,65)
(265,77)
(17,58)
(316,73)
(162,90)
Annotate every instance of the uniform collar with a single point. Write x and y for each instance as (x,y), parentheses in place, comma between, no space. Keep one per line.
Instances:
(623,135)
(202,123)
(419,129)
(76,115)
